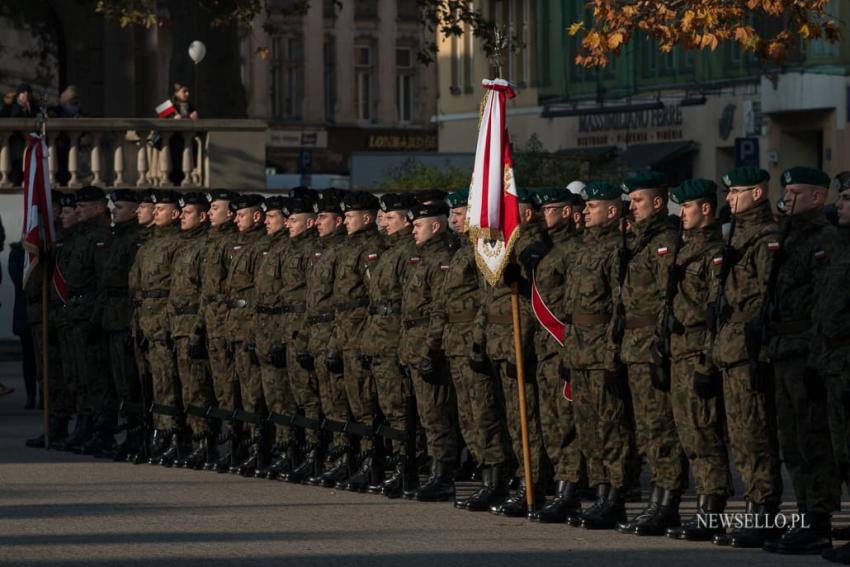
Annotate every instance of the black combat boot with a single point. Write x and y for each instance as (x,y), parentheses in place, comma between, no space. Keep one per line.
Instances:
(309,467)
(100,442)
(666,515)
(58,427)
(813,539)
(610,512)
(392,487)
(284,456)
(705,524)
(493,491)
(130,445)
(218,460)
(176,450)
(377,485)
(363,477)
(840,555)
(440,486)
(565,503)
(628,527)
(757,534)
(198,456)
(160,441)
(516,506)
(331,459)
(81,434)
(249,464)
(598,497)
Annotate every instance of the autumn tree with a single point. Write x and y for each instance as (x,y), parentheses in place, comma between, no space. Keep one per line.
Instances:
(768,28)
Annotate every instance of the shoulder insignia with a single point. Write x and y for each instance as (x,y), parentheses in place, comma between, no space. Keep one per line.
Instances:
(773,246)
(662,251)
(717,261)
(820,255)
(372,257)
(414,260)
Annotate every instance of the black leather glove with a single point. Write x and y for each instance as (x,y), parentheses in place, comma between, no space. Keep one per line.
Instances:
(305,360)
(706,385)
(277,355)
(197,348)
(761,377)
(333,361)
(533,253)
(615,384)
(564,373)
(365,361)
(478,361)
(815,387)
(512,274)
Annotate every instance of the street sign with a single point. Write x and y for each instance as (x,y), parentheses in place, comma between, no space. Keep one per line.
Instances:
(746,152)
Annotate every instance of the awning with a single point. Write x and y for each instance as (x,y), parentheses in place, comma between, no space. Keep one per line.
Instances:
(641,156)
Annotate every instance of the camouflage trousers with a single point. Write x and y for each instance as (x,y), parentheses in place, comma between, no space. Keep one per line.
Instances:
(222,373)
(302,392)
(802,417)
(699,424)
(479,413)
(436,405)
(165,381)
(510,397)
(94,392)
(838,416)
(393,388)
(360,393)
(655,430)
(247,372)
(557,421)
(751,424)
(195,382)
(332,395)
(125,375)
(603,428)
(60,388)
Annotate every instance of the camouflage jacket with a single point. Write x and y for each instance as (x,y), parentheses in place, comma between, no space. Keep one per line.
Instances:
(383,327)
(356,259)
(145,233)
(423,311)
(755,242)
(113,302)
(153,269)
(184,300)
(244,255)
(214,267)
(804,258)
(33,290)
(321,274)
(830,334)
(590,294)
(697,271)
(462,299)
(84,260)
(294,265)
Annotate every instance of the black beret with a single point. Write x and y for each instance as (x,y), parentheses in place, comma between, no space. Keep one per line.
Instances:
(296,206)
(805,176)
(123,195)
(199,199)
(440,208)
(165,196)
(430,195)
(220,195)
(275,203)
(246,201)
(144,196)
(359,201)
(67,200)
(302,192)
(56,196)
(328,201)
(396,201)
(90,193)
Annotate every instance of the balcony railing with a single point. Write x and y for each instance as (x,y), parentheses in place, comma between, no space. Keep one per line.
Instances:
(127,153)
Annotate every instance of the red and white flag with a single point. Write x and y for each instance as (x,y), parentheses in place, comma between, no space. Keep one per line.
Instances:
(545,317)
(493,210)
(166,109)
(39,231)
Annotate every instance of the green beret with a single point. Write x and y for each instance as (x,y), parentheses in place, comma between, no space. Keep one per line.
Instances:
(804,175)
(549,195)
(525,196)
(745,177)
(647,179)
(694,189)
(458,198)
(601,191)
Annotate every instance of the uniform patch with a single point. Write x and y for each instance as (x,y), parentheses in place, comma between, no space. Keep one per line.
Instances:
(237,248)
(372,257)
(820,255)
(717,261)
(317,255)
(414,260)
(773,246)
(444,267)
(663,251)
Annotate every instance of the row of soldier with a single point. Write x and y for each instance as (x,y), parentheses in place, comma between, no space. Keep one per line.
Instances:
(303,338)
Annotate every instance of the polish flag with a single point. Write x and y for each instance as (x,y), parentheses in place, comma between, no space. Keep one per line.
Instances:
(166,109)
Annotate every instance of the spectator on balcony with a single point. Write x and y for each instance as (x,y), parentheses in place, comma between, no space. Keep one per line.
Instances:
(25,105)
(8,101)
(69,104)
(185,108)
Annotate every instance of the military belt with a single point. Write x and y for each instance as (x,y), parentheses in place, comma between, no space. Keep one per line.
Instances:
(321,318)
(196,411)
(295,308)
(220,413)
(186,310)
(247,417)
(385,309)
(236,303)
(741,317)
(500,319)
(359,429)
(268,310)
(411,323)
(462,317)
(589,318)
(349,305)
(640,321)
(784,328)
(303,422)
(333,426)
(154,294)
(388,432)
(161,409)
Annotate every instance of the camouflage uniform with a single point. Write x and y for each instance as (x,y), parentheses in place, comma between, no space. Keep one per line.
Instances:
(356,258)
(601,418)
(643,296)
(750,414)
(186,324)
(699,422)
(802,409)
(479,409)
(143,369)
(423,318)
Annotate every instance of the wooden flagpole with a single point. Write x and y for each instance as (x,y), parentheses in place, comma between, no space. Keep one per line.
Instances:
(46,273)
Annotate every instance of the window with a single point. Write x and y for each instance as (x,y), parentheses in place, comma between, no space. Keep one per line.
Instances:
(468,57)
(287,77)
(363,66)
(330,81)
(454,88)
(365,9)
(408,10)
(404,88)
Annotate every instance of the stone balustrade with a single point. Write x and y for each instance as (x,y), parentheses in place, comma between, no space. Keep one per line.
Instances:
(128,153)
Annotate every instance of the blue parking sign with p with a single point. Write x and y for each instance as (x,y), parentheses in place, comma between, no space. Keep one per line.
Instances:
(746,152)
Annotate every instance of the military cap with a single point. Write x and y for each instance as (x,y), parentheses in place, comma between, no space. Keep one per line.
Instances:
(842,181)
(328,201)
(549,195)
(645,179)
(302,192)
(67,200)
(694,189)
(745,177)
(430,195)
(194,198)
(90,193)
(295,206)
(220,195)
(123,195)
(525,196)
(439,208)
(56,196)
(165,196)
(601,191)
(245,201)
(805,176)
(459,198)
(275,203)
(145,196)
(396,201)
(359,201)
